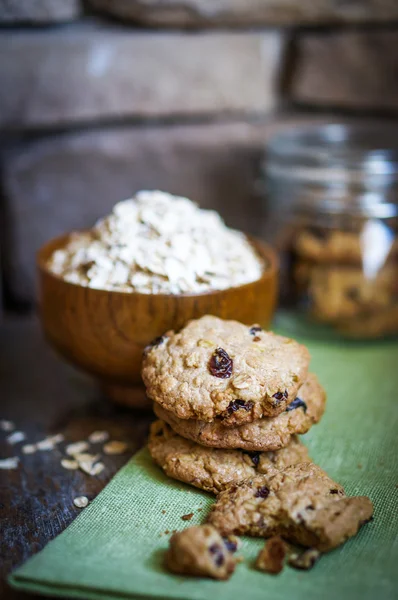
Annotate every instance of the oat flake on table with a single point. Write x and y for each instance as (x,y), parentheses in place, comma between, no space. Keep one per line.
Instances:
(115,447)
(16,437)
(6,425)
(81,501)
(158,243)
(9,463)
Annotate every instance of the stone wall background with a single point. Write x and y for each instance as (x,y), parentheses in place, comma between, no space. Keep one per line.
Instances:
(101,98)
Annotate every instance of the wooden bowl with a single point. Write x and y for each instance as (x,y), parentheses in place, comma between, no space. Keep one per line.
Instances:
(104,332)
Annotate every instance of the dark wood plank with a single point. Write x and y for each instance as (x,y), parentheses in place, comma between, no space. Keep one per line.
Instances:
(42,395)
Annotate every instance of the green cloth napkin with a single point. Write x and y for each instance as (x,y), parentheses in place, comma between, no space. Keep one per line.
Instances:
(115,548)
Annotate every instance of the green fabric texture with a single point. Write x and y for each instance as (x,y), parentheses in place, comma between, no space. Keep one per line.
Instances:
(115,548)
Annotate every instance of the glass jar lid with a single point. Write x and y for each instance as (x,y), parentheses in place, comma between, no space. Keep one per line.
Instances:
(343,167)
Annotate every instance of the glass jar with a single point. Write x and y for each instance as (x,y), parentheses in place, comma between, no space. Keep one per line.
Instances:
(331,196)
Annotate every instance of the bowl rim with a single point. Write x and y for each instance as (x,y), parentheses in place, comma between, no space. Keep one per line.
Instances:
(264,250)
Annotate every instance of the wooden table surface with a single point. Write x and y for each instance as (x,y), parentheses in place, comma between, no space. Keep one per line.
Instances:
(42,395)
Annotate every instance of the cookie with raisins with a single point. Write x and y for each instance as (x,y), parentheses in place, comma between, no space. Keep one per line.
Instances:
(212,469)
(268,433)
(217,369)
(337,246)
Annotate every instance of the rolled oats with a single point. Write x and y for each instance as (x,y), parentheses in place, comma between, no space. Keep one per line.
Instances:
(115,447)
(86,461)
(69,464)
(9,463)
(15,437)
(81,501)
(158,243)
(46,444)
(242,381)
(76,448)
(29,449)
(97,437)
(57,438)
(86,457)
(97,469)
(6,425)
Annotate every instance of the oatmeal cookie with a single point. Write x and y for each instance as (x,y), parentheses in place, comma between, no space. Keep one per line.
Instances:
(226,370)
(201,551)
(337,293)
(335,246)
(272,433)
(381,323)
(212,469)
(301,503)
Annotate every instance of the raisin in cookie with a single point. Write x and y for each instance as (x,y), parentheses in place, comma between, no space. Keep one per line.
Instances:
(212,469)
(201,551)
(222,369)
(300,503)
(269,433)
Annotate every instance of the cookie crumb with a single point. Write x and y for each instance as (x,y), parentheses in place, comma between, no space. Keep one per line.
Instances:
(271,558)
(187,517)
(163,512)
(80,501)
(167,532)
(200,551)
(304,560)
(359,466)
(199,509)
(115,447)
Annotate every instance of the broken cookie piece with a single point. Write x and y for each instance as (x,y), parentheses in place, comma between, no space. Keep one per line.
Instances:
(271,558)
(201,551)
(300,503)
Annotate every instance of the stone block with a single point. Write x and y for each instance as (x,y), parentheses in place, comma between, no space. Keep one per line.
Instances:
(38,12)
(355,70)
(91,73)
(241,13)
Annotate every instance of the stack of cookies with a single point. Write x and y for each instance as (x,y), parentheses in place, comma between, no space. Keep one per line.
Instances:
(231,401)
(349,279)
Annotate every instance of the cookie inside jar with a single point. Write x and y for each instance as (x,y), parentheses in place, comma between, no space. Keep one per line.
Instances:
(334,192)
